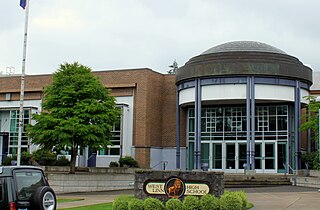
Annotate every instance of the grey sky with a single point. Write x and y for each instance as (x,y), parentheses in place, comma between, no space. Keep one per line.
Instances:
(119,34)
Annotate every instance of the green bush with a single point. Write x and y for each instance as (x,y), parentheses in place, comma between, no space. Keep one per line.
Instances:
(44,157)
(174,204)
(128,161)
(230,201)
(62,161)
(136,204)
(310,158)
(209,202)
(7,160)
(25,158)
(153,203)
(113,164)
(121,202)
(243,197)
(191,203)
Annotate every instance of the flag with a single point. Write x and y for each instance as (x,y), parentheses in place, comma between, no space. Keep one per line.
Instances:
(23,3)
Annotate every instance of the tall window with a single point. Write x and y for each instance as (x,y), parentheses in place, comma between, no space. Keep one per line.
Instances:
(14,128)
(116,140)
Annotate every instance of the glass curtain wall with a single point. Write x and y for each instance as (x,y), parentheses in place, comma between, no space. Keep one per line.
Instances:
(223,136)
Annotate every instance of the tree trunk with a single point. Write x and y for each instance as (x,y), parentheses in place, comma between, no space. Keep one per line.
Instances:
(74,152)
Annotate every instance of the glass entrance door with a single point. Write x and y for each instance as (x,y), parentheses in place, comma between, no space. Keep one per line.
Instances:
(242,155)
(269,156)
(216,156)
(282,156)
(230,156)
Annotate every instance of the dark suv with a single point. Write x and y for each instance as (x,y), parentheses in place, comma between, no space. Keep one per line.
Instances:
(25,188)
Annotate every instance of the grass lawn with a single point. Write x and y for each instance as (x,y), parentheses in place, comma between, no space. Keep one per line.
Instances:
(64,200)
(104,206)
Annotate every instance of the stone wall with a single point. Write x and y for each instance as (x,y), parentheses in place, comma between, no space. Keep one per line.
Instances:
(90,180)
(214,181)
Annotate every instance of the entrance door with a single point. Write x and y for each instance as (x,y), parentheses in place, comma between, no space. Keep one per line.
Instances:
(258,157)
(231,156)
(216,155)
(242,155)
(270,157)
(282,156)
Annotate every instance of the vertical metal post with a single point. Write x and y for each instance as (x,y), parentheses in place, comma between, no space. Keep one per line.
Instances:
(297,110)
(252,124)
(177,131)
(248,122)
(20,128)
(197,124)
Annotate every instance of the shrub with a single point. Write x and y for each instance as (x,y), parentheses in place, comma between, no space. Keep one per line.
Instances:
(309,157)
(62,161)
(136,204)
(209,202)
(25,158)
(243,196)
(7,160)
(128,161)
(113,164)
(174,204)
(121,203)
(153,203)
(44,157)
(191,203)
(230,201)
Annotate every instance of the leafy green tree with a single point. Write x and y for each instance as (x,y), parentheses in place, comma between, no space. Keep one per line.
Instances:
(312,123)
(78,112)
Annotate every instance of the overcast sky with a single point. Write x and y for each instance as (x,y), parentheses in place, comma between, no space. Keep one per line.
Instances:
(124,34)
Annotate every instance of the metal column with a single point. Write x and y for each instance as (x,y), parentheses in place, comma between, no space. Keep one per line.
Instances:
(252,124)
(248,122)
(297,116)
(177,131)
(197,108)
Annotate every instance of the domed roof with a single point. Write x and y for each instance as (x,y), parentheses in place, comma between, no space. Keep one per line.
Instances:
(243,46)
(242,58)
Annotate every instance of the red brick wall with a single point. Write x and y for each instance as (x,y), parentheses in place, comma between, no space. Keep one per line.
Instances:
(154,103)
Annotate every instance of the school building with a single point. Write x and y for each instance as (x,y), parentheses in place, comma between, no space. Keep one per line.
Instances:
(236,106)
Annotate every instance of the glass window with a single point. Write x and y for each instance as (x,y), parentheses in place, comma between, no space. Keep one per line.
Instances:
(28,182)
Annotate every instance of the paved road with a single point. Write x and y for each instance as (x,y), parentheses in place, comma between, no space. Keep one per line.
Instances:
(263,198)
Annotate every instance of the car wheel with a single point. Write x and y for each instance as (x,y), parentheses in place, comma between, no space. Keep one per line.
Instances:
(44,198)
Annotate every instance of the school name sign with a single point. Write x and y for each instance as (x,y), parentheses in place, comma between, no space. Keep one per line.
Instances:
(175,187)
(176,184)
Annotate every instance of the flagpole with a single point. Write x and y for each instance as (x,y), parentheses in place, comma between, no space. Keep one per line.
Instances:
(24,55)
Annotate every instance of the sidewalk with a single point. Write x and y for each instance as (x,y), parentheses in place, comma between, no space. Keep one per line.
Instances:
(263,198)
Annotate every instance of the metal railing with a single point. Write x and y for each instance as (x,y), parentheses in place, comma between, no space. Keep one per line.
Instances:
(287,169)
(307,169)
(164,164)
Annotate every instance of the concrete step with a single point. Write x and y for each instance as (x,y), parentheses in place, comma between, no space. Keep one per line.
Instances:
(258,180)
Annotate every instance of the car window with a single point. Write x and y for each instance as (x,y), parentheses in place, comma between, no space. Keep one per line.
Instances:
(28,182)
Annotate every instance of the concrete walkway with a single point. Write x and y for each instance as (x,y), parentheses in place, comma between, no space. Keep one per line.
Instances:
(263,198)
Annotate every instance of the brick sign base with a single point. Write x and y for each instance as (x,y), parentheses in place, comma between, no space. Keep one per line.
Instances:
(177,184)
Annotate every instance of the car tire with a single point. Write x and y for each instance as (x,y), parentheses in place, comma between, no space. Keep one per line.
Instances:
(44,198)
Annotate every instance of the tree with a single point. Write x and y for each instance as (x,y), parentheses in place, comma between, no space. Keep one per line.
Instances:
(78,112)
(174,67)
(312,123)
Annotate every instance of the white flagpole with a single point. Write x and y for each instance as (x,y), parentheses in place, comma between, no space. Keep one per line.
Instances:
(24,55)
